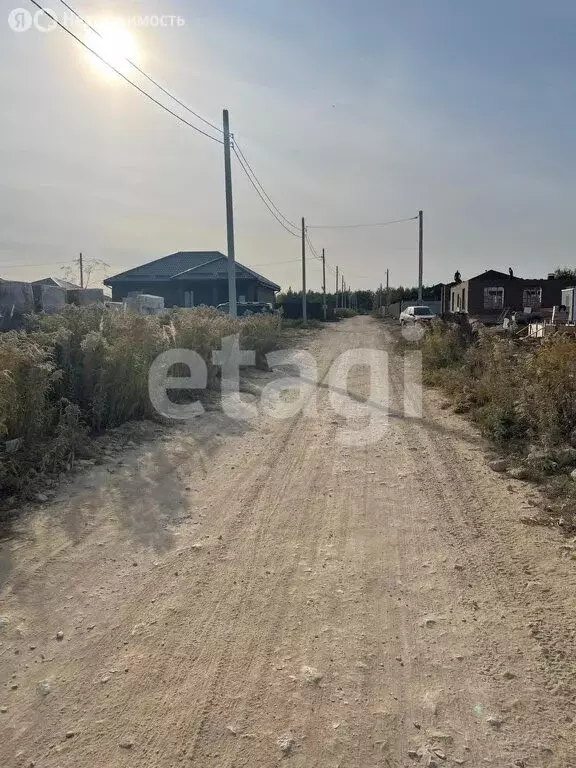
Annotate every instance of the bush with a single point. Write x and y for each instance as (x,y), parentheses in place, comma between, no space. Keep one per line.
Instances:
(518,393)
(345,312)
(86,369)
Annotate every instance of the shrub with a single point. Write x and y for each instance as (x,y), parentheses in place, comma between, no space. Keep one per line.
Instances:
(86,369)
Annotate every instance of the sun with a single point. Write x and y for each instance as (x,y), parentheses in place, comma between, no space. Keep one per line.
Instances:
(115,46)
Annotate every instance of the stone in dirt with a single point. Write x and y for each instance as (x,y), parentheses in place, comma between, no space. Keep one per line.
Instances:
(519,473)
(286,743)
(127,744)
(311,675)
(494,721)
(60,635)
(44,687)
(444,738)
(499,465)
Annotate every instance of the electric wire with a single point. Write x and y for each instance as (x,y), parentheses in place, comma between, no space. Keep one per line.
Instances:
(127,79)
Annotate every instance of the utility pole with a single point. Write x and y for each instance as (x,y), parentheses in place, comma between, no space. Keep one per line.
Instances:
(81,264)
(420,253)
(304,308)
(229,217)
(343,294)
(387,291)
(324,283)
(337,284)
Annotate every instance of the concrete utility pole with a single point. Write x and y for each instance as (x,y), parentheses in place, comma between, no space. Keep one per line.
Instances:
(337,284)
(304,308)
(343,295)
(81,264)
(324,283)
(229,217)
(387,291)
(420,253)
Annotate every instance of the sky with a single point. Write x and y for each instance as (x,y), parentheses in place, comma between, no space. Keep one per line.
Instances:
(348,113)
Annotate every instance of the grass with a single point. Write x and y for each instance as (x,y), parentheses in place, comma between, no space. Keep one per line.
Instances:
(522,396)
(85,370)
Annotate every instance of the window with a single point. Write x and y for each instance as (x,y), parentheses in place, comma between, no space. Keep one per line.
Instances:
(188,298)
(452,302)
(532,297)
(464,299)
(422,311)
(494,298)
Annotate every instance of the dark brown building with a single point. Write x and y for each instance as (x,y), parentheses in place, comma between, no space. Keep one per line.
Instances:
(487,295)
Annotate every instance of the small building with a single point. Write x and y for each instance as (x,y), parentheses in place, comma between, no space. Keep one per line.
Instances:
(48,298)
(488,295)
(57,282)
(191,278)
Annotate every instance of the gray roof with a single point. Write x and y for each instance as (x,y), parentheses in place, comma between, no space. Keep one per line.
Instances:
(188,265)
(58,282)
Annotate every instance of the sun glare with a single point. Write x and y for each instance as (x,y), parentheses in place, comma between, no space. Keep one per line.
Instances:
(115,46)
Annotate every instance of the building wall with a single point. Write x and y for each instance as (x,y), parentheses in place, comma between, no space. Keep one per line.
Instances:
(265,294)
(468,296)
(207,292)
(16,300)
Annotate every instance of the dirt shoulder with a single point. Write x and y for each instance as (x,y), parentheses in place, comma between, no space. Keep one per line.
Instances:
(239,594)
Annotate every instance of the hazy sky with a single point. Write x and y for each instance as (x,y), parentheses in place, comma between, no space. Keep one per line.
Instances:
(348,112)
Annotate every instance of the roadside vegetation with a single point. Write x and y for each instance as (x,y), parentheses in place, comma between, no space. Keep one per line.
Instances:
(84,370)
(522,395)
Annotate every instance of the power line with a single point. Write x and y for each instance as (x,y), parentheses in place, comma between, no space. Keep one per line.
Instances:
(314,251)
(356,226)
(294,234)
(141,71)
(130,82)
(257,180)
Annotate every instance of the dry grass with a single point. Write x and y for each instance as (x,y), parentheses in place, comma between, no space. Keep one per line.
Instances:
(523,397)
(86,369)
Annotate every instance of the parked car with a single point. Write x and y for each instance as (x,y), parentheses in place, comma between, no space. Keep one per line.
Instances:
(417,314)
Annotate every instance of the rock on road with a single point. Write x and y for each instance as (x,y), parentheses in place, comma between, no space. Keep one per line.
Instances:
(250,595)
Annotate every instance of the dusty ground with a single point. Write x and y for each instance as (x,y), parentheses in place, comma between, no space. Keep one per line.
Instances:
(254,595)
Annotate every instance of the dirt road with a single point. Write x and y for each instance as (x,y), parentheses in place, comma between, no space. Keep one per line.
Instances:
(252,596)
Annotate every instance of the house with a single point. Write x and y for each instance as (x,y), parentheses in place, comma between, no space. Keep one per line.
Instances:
(487,295)
(57,282)
(191,278)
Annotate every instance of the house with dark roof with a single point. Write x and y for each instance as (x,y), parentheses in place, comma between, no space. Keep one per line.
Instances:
(488,295)
(191,278)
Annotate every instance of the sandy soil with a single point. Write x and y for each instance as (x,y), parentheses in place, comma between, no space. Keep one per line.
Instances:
(247,596)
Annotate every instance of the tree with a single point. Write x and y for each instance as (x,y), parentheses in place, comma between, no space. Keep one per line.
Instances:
(565,273)
(72,272)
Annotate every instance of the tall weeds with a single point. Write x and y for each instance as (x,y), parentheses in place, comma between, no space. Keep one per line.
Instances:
(86,369)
